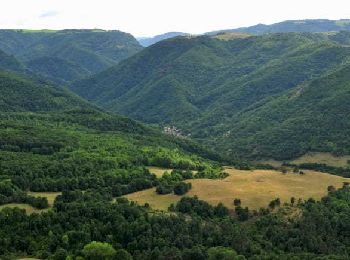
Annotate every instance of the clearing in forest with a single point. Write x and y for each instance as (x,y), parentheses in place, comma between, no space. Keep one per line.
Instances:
(51,196)
(159,171)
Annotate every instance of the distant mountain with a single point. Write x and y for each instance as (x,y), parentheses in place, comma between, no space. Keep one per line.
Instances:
(147,41)
(308,25)
(67,55)
(316,25)
(206,86)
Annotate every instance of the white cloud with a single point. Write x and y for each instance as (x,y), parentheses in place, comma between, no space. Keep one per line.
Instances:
(157,16)
(48,14)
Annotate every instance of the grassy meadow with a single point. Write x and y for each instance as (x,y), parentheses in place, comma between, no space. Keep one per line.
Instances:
(255,188)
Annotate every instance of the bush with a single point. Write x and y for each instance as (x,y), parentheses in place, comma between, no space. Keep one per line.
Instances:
(237,202)
(182,188)
(222,253)
(275,203)
(164,188)
(98,250)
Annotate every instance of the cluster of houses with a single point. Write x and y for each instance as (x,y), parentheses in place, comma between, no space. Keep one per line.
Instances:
(172,130)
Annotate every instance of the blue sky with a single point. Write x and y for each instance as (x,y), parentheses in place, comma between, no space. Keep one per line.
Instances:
(146,18)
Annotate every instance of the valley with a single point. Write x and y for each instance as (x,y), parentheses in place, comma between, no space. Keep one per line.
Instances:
(250,97)
(116,147)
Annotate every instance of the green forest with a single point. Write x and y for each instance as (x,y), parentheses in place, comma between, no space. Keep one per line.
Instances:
(83,119)
(237,94)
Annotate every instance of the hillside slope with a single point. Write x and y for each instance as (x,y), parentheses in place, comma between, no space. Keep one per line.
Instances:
(19,93)
(311,117)
(201,84)
(77,53)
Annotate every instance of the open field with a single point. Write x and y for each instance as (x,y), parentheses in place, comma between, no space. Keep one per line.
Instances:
(255,188)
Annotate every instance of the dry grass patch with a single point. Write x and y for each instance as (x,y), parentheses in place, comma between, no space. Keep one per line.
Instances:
(323,158)
(255,188)
(51,196)
(158,171)
(271,162)
(155,200)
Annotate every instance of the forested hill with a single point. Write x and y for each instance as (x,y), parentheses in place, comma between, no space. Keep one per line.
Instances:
(21,93)
(309,25)
(202,84)
(67,55)
(32,104)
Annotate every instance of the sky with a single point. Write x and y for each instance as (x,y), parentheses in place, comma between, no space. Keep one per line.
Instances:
(152,17)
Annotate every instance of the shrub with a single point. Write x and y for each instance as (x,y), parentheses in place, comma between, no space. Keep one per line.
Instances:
(182,188)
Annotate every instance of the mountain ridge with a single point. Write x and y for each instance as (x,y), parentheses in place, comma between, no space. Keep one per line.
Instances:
(306,25)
